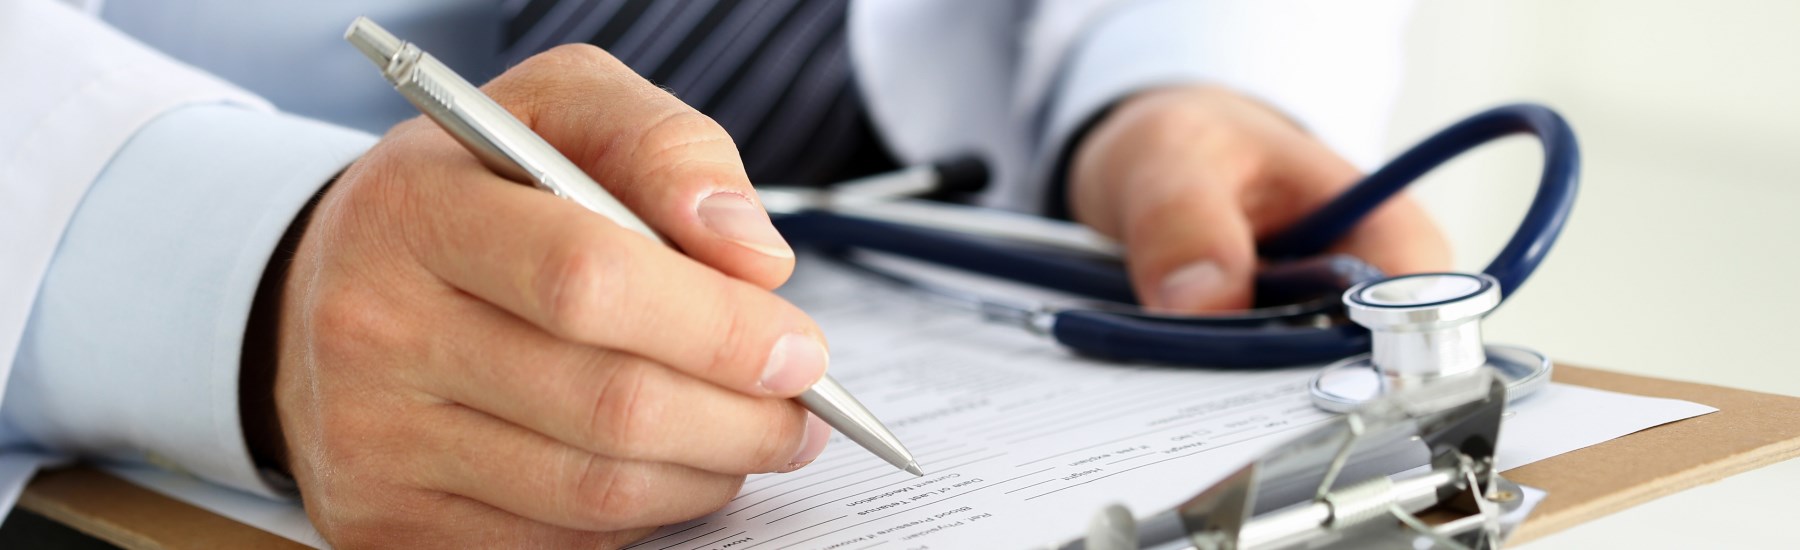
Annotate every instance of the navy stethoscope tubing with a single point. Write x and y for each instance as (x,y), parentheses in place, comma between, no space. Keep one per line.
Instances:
(1530,242)
(1311,332)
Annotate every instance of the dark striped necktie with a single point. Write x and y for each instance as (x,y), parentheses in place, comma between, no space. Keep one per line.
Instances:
(775,73)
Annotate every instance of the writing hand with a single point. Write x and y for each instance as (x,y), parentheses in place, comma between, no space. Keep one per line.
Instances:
(466,361)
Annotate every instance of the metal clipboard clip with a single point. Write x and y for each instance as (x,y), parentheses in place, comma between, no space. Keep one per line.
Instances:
(1334,487)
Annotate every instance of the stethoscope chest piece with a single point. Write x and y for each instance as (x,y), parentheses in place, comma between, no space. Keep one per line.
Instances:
(1424,327)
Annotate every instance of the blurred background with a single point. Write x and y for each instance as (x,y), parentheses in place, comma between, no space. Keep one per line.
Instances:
(1680,260)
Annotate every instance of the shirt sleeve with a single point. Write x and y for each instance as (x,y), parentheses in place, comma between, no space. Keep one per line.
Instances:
(76,89)
(1334,67)
(132,349)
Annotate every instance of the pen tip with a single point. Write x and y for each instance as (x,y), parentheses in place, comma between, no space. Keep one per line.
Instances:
(914,468)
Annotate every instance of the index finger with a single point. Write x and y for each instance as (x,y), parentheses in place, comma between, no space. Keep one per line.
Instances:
(664,160)
(586,280)
(1399,236)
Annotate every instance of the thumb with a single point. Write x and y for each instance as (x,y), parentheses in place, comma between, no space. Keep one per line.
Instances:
(1190,250)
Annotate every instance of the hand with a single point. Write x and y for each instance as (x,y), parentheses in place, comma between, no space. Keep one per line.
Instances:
(465,361)
(1188,179)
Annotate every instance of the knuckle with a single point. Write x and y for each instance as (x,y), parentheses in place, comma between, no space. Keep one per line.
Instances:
(353,519)
(572,286)
(626,493)
(343,447)
(783,440)
(553,67)
(625,415)
(573,55)
(550,79)
(347,327)
(680,137)
(715,492)
(607,493)
(736,360)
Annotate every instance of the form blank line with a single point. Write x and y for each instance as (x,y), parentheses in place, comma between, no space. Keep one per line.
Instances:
(1251,396)
(1189,422)
(644,542)
(824,492)
(813,484)
(1132,457)
(819,523)
(720,539)
(1026,475)
(797,531)
(691,540)
(1030,486)
(815,506)
(938,501)
(1156,389)
(1068,411)
(860,458)
(1208,449)
(1067,399)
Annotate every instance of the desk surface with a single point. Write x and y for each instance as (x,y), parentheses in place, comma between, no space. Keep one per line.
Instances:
(1750,430)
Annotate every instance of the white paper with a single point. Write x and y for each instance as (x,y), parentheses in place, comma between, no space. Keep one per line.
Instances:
(16,469)
(1021,441)
(1563,418)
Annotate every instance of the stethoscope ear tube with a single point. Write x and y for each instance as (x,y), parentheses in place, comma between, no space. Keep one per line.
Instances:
(1121,338)
(1530,243)
(1099,280)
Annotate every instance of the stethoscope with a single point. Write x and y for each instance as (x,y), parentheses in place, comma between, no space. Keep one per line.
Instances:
(1379,333)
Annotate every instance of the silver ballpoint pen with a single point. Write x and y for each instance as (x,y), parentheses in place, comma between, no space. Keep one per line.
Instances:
(512,150)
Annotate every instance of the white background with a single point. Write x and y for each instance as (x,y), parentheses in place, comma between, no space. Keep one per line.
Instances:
(1680,260)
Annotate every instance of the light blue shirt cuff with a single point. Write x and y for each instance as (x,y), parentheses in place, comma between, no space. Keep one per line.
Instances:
(132,349)
(1134,47)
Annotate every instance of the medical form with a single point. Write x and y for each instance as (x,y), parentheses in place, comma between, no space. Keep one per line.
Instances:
(1021,441)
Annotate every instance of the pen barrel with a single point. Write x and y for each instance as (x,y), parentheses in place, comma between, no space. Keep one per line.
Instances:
(502,142)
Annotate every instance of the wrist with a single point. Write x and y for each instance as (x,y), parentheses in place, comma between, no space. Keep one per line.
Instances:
(261,354)
(1143,144)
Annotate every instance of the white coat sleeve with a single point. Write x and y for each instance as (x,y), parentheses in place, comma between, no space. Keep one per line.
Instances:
(1334,67)
(140,203)
(1018,82)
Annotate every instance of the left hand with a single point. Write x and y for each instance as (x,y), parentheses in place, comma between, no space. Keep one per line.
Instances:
(1188,178)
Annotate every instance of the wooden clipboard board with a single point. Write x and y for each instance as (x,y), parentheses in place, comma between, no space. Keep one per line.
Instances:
(1749,431)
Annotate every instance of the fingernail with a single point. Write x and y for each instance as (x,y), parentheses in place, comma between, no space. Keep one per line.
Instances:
(812,443)
(796,362)
(735,218)
(1191,287)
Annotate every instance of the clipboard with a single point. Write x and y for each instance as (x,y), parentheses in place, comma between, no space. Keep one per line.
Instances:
(1750,430)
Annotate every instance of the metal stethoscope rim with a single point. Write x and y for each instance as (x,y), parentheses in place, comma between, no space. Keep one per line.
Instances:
(1525,371)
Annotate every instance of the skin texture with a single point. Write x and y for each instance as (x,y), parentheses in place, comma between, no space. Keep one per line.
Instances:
(1188,178)
(469,362)
(464,361)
